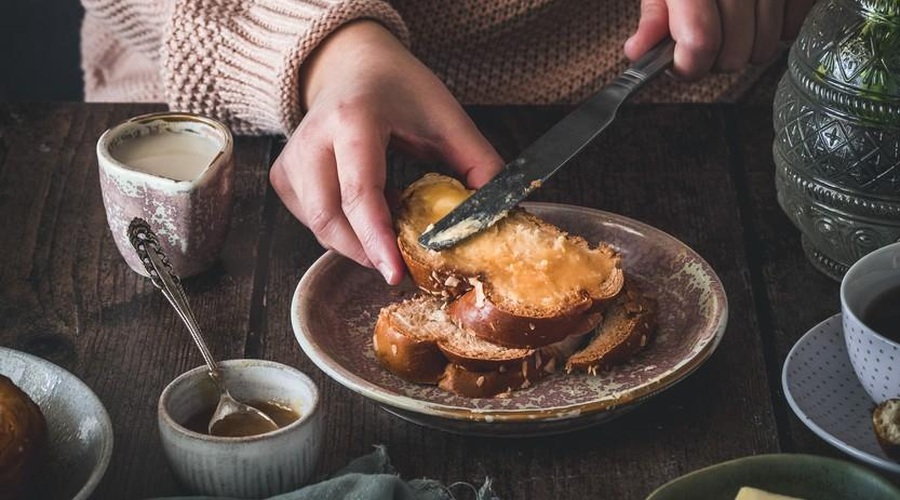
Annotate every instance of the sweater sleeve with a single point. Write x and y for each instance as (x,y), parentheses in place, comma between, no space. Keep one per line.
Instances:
(238,61)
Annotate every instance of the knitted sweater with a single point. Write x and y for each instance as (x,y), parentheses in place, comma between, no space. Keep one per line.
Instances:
(238,60)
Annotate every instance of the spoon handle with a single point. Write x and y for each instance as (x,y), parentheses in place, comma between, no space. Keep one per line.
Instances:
(163,276)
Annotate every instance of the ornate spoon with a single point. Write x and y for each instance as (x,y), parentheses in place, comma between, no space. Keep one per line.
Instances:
(230,413)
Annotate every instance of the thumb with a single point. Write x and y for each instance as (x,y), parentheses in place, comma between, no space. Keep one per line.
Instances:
(653,26)
(467,152)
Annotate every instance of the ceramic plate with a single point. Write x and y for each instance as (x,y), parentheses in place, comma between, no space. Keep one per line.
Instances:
(80,435)
(801,476)
(337,302)
(822,389)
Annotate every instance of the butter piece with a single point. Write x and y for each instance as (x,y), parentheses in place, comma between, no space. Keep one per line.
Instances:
(440,198)
(748,493)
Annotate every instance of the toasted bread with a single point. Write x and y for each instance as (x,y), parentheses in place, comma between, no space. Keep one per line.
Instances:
(886,422)
(416,340)
(628,325)
(521,283)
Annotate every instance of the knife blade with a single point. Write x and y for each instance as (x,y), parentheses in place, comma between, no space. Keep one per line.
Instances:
(546,155)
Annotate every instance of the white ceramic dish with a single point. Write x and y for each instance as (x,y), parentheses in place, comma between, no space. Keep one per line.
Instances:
(80,435)
(337,302)
(256,466)
(823,390)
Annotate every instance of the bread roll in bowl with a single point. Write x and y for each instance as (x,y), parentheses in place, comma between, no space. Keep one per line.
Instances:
(23,438)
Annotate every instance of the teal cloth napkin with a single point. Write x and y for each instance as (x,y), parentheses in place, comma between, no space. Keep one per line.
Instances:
(373,477)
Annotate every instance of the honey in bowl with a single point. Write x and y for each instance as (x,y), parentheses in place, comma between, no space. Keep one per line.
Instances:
(883,314)
(237,425)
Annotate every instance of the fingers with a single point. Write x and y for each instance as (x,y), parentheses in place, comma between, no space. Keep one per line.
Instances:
(717,34)
(652,27)
(305,179)
(697,31)
(770,18)
(466,151)
(361,172)
(738,19)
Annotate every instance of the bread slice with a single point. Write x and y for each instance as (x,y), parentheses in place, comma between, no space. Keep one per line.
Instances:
(886,422)
(628,324)
(521,283)
(416,340)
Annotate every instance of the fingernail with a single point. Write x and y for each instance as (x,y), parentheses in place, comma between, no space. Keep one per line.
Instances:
(387,272)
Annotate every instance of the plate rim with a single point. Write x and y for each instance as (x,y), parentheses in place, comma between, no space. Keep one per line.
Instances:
(533,415)
(106,449)
(833,321)
(774,457)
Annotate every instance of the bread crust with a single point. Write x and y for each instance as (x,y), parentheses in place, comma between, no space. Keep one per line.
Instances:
(886,423)
(491,323)
(414,359)
(426,359)
(23,441)
(628,326)
(486,384)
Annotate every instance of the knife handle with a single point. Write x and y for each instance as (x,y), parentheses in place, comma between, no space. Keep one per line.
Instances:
(648,66)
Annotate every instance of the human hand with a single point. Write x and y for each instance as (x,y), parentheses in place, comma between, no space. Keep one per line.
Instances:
(724,35)
(362,90)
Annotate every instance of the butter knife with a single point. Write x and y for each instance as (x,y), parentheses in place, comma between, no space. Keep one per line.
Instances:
(546,155)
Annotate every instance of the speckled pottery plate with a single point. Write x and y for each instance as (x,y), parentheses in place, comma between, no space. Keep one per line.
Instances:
(823,390)
(337,301)
(79,432)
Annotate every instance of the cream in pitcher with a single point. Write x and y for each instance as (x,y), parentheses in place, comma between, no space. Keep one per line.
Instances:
(167,153)
(174,170)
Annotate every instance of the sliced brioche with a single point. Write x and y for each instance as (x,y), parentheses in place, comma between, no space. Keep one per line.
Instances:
(404,345)
(886,421)
(522,282)
(629,321)
(505,379)
(416,340)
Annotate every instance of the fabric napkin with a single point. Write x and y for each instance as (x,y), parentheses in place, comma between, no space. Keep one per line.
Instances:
(373,477)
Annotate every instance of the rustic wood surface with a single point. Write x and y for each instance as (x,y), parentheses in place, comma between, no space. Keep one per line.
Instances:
(702,173)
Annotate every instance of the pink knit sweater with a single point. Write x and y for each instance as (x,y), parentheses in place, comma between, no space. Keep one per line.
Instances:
(238,60)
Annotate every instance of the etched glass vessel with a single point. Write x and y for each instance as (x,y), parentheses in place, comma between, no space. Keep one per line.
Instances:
(837,131)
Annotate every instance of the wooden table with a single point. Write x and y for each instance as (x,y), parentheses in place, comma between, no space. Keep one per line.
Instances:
(703,173)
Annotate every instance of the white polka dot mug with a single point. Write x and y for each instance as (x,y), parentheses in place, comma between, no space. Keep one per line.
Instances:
(875,357)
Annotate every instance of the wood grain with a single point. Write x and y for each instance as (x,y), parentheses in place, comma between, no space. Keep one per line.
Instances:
(702,173)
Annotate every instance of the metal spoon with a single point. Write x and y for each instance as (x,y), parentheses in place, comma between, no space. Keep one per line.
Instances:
(229,410)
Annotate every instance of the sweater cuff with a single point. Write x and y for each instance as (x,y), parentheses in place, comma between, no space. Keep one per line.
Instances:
(239,62)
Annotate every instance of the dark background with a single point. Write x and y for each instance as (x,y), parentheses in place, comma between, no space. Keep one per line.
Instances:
(39,51)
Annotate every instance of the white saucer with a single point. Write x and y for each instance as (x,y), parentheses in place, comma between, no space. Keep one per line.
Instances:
(822,389)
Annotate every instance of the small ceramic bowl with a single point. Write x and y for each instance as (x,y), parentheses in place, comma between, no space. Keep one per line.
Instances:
(79,432)
(244,467)
(875,358)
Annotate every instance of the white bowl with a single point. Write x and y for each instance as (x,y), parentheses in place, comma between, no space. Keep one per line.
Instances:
(80,435)
(246,467)
(875,358)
